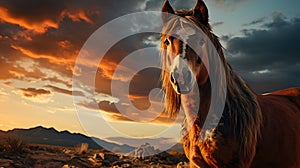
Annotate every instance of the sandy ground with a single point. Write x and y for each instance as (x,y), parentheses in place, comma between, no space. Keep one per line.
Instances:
(45,156)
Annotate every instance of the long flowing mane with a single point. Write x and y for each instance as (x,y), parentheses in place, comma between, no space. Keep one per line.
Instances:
(242,111)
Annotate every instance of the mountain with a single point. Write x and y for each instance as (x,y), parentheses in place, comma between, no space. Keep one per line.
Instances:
(50,136)
(160,143)
(143,151)
(177,147)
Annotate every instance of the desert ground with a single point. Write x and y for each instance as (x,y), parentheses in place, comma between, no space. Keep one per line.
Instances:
(30,155)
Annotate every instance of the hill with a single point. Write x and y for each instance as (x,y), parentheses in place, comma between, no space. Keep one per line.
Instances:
(50,136)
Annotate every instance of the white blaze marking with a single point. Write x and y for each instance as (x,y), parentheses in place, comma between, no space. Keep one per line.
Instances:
(185,33)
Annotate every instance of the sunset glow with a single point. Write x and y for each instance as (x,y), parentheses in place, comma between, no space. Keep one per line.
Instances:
(40,42)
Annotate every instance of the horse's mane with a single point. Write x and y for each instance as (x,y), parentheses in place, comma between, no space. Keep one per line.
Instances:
(242,108)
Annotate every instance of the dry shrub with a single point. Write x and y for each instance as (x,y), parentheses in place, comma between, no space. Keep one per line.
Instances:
(14,143)
(82,148)
(1,147)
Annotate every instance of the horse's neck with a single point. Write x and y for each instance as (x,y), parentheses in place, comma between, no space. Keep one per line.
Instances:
(196,104)
(239,96)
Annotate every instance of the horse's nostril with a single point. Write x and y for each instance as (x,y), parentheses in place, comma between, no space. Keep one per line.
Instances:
(176,75)
(186,75)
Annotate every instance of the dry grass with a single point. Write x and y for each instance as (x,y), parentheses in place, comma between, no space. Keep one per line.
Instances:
(14,143)
(2,147)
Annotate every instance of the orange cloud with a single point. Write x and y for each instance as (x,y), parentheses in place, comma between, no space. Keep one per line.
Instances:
(2,92)
(134,97)
(65,44)
(65,91)
(22,35)
(43,25)
(51,58)
(108,68)
(16,73)
(35,95)
(32,92)
(39,27)
(78,16)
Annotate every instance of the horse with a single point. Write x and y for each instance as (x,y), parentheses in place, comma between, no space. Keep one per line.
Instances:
(253,131)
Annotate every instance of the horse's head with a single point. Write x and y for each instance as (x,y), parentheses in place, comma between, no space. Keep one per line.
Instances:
(182,62)
(185,51)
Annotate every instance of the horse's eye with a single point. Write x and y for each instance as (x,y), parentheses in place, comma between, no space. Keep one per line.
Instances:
(198,60)
(201,42)
(166,42)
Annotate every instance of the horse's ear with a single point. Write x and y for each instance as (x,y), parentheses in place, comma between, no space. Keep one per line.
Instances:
(200,11)
(167,8)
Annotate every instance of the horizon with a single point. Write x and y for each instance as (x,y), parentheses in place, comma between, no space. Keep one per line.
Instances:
(128,141)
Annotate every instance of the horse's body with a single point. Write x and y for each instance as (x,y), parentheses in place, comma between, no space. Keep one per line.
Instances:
(279,145)
(254,130)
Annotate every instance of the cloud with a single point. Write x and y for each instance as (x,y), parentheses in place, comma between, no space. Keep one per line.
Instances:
(100,97)
(107,108)
(188,4)
(255,22)
(108,67)
(35,95)
(157,4)
(33,92)
(77,17)
(7,84)
(112,113)
(65,91)
(38,16)
(217,24)
(29,70)
(39,27)
(56,45)
(51,58)
(268,58)
(2,92)
(40,41)
(227,3)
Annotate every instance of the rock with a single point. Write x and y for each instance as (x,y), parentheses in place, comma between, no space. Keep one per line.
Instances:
(155,159)
(107,156)
(106,163)
(143,151)
(127,165)
(121,163)
(135,160)
(98,156)
(121,157)
(183,165)
(6,162)
(111,157)
(68,166)
(67,151)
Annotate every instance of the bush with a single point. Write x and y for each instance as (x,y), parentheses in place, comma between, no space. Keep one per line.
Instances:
(1,147)
(14,143)
(82,148)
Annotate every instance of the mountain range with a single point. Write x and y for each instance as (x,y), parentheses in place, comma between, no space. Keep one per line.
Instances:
(50,136)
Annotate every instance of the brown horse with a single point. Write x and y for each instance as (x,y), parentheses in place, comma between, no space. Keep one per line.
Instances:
(254,130)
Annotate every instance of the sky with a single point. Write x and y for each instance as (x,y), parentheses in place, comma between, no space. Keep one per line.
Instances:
(40,42)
